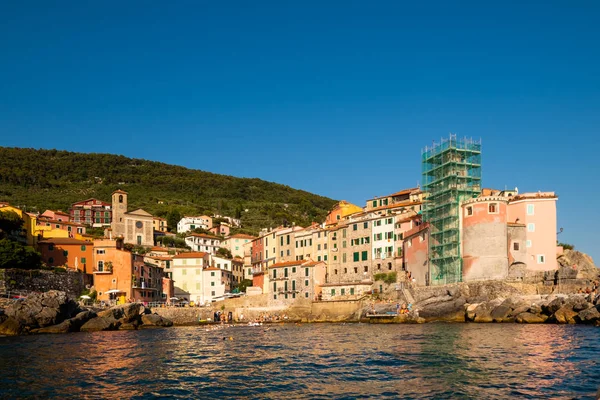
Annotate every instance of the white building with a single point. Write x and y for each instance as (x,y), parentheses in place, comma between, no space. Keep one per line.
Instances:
(217,282)
(383,237)
(202,242)
(190,223)
(187,271)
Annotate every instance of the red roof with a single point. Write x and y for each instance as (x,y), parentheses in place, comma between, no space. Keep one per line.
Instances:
(242,236)
(191,254)
(286,264)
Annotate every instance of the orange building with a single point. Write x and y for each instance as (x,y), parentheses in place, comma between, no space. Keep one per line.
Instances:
(113,271)
(71,253)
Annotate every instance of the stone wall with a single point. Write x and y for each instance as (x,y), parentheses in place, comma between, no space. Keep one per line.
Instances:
(73,283)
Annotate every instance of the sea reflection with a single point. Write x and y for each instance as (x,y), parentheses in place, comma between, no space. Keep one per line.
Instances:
(307,361)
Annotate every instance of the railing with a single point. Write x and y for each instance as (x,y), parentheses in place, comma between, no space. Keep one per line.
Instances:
(102,271)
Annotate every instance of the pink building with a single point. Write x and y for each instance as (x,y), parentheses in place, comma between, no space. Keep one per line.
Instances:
(415,250)
(537,211)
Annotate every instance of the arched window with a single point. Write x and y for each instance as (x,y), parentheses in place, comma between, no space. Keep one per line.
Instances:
(100,266)
(120,198)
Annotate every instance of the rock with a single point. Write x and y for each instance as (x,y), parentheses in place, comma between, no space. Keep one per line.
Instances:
(63,327)
(106,323)
(589,316)
(517,311)
(483,313)
(554,305)
(564,315)
(155,320)
(529,318)
(11,327)
(535,309)
(579,262)
(44,309)
(124,312)
(451,311)
(470,311)
(501,313)
(129,326)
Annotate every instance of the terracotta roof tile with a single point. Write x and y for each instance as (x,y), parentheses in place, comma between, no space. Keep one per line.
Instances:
(192,254)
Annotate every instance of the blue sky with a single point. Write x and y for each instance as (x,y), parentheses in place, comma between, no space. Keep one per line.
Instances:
(336,98)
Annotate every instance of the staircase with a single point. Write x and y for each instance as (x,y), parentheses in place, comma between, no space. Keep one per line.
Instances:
(408,296)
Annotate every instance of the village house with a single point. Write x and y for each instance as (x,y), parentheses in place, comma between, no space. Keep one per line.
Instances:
(203,242)
(91,212)
(235,244)
(187,224)
(188,276)
(159,224)
(69,253)
(296,279)
(113,271)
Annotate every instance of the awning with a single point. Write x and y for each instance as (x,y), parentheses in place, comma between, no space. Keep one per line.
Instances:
(85,296)
(115,291)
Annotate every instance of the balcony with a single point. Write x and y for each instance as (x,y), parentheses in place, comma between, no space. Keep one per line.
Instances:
(102,270)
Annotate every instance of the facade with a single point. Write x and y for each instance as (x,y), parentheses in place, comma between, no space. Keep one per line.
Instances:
(484,245)
(188,276)
(237,270)
(69,253)
(293,280)
(416,254)
(55,216)
(538,212)
(235,244)
(159,224)
(135,227)
(340,211)
(345,291)
(91,212)
(217,282)
(202,242)
(286,245)
(321,245)
(303,240)
(71,227)
(451,175)
(186,224)
(113,270)
(147,281)
(222,228)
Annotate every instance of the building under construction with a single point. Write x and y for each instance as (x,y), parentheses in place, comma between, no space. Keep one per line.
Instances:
(451,174)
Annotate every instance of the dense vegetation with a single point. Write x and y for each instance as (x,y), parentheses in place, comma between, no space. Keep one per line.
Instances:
(52,179)
(13,254)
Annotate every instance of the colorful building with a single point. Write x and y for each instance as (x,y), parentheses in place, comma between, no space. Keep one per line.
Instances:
(296,279)
(69,253)
(204,243)
(91,212)
(113,271)
(188,276)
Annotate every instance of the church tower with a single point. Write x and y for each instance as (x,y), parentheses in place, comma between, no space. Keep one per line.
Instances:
(119,208)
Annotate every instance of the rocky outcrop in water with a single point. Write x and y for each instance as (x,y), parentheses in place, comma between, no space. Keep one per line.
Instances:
(54,312)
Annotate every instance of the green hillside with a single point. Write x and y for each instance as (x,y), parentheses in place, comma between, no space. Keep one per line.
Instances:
(52,179)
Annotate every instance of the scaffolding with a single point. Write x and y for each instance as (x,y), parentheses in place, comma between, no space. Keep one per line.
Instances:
(451,174)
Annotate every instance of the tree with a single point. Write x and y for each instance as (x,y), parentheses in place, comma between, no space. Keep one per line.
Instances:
(244,284)
(223,252)
(15,255)
(9,222)
(173,217)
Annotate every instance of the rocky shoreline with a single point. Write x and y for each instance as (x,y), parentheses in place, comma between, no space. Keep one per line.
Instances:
(55,312)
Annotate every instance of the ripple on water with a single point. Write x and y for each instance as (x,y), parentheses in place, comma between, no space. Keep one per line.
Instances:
(318,361)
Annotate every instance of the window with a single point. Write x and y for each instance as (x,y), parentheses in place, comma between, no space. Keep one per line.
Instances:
(212,284)
(274,286)
(356,270)
(531,227)
(374,203)
(343,292)
(356,256)
(306,282)
(212,293)
(293,270)
(197,285)
(274,274)
(100,265)
(285,272)
(333,292)
(530,209)
(364,255)
(528,244)
(469,211)
(51,260)
(516,246)
(306,272)
(288,240)
(541,259)
(325,257)
(212,273)
(344,257)
(355,227)
(184,271)
(366,268)
(65,253)
(318,258)
(51,247)
(344,244)
(288,252)
(83,260)
(293,285)
(318,247)
(351,291)
(274,297)
(306,294)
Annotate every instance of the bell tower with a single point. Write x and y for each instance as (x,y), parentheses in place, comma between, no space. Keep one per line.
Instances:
(119,208)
